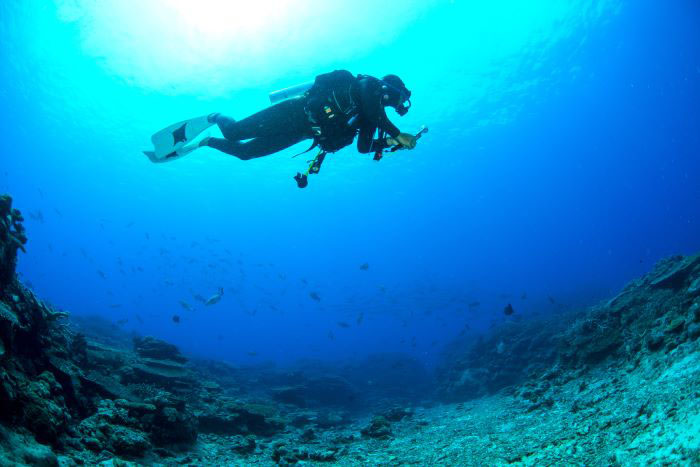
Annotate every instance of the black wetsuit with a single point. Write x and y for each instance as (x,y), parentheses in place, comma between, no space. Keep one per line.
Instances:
(285,124)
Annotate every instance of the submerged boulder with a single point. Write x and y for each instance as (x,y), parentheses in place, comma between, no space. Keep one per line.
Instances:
(230,417)
(156,349)
(161,364)
(379,428)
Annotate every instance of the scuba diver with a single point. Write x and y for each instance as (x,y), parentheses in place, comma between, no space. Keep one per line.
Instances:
(332,111)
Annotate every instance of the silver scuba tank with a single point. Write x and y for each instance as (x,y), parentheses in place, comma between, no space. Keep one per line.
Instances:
(290,92)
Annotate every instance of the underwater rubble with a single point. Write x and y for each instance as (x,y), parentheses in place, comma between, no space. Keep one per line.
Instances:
(616,384)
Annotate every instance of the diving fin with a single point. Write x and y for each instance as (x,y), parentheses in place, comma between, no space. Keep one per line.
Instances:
(172,141)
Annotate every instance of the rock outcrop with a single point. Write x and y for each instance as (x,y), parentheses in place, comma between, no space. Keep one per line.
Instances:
(655,313)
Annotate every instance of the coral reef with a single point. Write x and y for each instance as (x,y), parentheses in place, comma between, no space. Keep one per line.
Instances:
(12,238)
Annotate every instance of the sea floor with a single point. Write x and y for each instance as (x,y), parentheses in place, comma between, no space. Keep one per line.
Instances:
(648,415)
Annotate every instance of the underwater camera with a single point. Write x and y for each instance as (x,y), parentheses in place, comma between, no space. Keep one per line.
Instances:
(301,179)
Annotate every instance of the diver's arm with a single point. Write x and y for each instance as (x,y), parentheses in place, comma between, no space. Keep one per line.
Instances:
(366,143)
(386,125)
(372,109)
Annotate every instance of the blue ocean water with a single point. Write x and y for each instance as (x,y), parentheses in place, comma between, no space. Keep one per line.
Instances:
(561,162)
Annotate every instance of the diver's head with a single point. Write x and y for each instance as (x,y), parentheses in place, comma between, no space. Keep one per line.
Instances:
(396,94)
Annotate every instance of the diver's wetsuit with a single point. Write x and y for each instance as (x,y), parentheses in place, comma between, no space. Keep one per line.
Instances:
(285,124)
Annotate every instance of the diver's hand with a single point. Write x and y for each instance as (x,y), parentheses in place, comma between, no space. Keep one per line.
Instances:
(406,140)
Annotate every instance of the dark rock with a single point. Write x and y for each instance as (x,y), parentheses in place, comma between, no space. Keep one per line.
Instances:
(280,454)
(172,423)
(694,287)
(694,311)
(164,373)
(655,340)
(307,436)
(694,331)
(162,452)
(231,417)
(156,349)
(243,445)
(326,390)
(674,271)
(300,420)
(329,419)
(128,442)
(675,325)
(322,456)
(379,428)
(293,395)
(397,414)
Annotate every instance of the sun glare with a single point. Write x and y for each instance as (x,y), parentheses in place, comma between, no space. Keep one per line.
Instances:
(161,43)
(221,20)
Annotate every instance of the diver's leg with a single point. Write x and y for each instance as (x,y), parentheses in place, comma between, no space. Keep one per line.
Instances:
(283,118)
(256,147)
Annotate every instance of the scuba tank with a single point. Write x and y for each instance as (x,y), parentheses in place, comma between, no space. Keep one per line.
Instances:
(290,92)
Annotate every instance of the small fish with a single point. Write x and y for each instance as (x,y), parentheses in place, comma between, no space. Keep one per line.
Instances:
(185,305)
(37,216)
(551,300)
(331,336)
(199,298)
(504,295)
(360,317)
(115,305)
(315,296)
(101,274)
(176,319)
(130,224)
(473,305)
(216,298)
(508,310)
(252,354)
(122,322)
(343,324)
(138,318)
(364,266)
(523,296)
(58,212)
